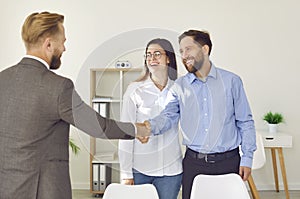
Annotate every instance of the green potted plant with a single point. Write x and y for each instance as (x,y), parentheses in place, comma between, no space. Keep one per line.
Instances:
(273,119)
(74,147)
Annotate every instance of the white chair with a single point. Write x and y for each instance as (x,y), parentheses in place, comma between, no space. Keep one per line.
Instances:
(259,157)
(227,186)
(259,160)
(121,191)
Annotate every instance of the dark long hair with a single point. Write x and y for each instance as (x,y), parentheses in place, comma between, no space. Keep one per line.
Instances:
(168,48)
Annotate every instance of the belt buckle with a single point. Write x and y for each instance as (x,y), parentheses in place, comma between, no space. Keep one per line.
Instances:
(208,161)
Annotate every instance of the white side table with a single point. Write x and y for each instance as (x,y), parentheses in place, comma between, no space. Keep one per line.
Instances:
(275,142)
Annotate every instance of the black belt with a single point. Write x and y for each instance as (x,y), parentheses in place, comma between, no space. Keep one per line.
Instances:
(212,157)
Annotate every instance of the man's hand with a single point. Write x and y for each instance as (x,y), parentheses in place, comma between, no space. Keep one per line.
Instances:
(148,125)
(143,140)
(245,173)
(143,132)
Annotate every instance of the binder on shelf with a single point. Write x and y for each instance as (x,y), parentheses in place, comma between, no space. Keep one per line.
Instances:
(101,176)
(102,106)
(96,176)
(103,180)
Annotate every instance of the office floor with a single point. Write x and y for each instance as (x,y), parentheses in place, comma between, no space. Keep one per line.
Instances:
(85,194)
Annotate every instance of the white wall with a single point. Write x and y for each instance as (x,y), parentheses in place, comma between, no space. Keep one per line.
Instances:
(259,40)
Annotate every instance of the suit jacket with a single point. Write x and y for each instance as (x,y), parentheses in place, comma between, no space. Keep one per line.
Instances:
(37,107)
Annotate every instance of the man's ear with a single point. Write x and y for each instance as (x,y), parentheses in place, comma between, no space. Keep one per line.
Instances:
(205,49)
(47,45)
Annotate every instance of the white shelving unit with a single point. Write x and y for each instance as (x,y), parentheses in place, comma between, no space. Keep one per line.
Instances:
(107,87)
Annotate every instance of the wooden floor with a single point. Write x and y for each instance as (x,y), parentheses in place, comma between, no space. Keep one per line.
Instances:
(85,194)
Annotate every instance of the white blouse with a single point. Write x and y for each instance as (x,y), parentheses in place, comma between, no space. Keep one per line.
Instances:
(162,154)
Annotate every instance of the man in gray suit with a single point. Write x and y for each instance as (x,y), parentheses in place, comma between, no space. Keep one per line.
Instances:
(37,107)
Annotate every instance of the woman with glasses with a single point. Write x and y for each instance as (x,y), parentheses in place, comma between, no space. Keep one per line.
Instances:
(159,161)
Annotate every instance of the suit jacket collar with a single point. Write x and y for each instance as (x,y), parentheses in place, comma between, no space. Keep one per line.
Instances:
(33,62)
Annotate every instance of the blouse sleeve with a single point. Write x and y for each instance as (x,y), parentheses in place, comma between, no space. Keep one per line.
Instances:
(126,147)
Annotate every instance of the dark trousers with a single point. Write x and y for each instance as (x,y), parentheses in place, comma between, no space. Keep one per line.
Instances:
(194,164)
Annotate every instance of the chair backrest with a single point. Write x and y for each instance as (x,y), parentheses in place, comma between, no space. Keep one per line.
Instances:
(227,186)
(259,156)
(121,191)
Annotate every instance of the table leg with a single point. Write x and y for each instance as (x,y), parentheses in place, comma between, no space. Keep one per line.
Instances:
(281,160)
(275,169)
(253,189)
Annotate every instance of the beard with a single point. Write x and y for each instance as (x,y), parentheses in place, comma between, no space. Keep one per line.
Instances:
(55,61)
(194,68)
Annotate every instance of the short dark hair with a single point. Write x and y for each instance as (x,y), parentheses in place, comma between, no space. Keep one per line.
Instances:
(201,37)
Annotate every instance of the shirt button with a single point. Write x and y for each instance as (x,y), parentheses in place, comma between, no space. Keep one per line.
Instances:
(205,114)
(204,99)
(206,130)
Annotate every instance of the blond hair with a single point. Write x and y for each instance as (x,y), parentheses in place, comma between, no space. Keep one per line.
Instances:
(40,25)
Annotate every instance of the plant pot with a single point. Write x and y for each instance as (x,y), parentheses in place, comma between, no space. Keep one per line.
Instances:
(272,128)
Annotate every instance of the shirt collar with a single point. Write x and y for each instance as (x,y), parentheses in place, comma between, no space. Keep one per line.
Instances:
(38,59)
(169,82)
(212,73)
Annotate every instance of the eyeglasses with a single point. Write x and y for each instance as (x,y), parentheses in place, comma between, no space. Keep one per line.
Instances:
(156,55)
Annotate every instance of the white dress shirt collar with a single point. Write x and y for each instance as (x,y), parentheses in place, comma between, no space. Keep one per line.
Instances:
(38,59)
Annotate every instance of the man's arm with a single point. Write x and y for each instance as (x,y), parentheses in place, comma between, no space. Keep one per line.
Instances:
(245,123)
(167,118)
(74,111)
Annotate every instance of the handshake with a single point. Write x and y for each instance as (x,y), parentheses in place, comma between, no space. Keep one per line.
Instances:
(143,131)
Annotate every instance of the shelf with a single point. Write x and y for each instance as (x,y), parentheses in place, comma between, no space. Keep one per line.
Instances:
(105,99)
(115,69)
(107,87)
(106,157)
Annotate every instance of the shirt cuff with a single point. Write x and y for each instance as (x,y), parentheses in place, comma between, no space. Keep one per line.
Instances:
(246,162)
(135,130)
(154,128)
(126,175)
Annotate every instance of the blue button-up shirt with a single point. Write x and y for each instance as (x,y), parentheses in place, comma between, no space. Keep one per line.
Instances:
(214,114)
